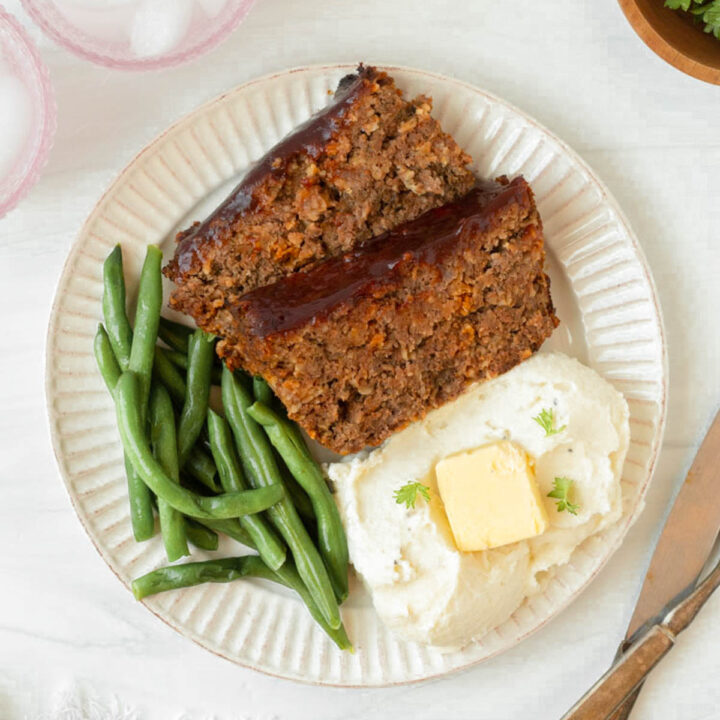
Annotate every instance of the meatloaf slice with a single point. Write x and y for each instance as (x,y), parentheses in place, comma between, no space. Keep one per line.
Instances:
(362,344)
(366,163)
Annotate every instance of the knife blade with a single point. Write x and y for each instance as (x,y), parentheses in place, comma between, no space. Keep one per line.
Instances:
(685,544)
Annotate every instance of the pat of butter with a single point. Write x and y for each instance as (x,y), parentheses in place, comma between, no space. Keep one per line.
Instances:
(491,497)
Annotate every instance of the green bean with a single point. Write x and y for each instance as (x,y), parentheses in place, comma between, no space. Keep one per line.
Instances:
(178,359)
(228,505)
(264,394)
(141,512)
(262,391)
(140,500)
(232,528)
(164,445)
(175,335)
(198,464)
(288,576)
(304,468)
(271,549)
(147,317)
(119,337)
(261,469)
(105,358)
(299,497)
(114,312)
(169,376)
(201,466)
(227,570)
(188,575)
(142,350)
(201,536)
(194,411)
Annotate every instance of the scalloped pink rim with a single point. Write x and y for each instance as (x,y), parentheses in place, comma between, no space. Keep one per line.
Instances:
(45,134)
(657,440)
(69,41)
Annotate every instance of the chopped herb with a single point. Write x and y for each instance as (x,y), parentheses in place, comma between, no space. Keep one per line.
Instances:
(705,11)
(546,420)
(408,494)
(679,4)
(562,487)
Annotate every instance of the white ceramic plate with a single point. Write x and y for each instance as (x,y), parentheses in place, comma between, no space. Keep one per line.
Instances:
(601,287)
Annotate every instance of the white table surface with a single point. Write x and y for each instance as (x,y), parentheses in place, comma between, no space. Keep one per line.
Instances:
(651,134)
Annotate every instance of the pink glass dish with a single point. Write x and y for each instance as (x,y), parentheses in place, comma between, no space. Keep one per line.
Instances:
(103,35)
(20,60)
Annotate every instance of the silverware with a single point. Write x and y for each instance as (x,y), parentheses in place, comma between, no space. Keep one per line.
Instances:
(611,690)
(669,598)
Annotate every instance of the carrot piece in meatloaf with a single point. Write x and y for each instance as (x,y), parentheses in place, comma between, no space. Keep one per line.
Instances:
(362,344)
(366,163)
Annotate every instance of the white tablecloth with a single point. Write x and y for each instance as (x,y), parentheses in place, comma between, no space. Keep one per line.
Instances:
(652,135)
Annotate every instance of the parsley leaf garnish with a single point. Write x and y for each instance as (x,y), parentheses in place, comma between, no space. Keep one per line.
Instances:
(710,15)
(562,487)
(706,11)
(408,494)
(678,4)
(546,420)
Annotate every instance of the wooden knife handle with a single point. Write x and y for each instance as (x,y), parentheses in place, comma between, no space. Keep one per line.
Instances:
(611,690)
(623,712)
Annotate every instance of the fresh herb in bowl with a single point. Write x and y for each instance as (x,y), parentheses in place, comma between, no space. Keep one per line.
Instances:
(705,11)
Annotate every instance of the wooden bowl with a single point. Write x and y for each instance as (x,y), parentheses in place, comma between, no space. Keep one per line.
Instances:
(675,38)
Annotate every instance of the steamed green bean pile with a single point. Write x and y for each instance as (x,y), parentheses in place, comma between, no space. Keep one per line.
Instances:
(245,473)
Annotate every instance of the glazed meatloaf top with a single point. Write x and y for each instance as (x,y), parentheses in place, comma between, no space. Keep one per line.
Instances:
(364,343)
(367,162)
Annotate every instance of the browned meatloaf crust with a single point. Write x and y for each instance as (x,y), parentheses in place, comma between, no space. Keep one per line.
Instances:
(362,344)
(366,163)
